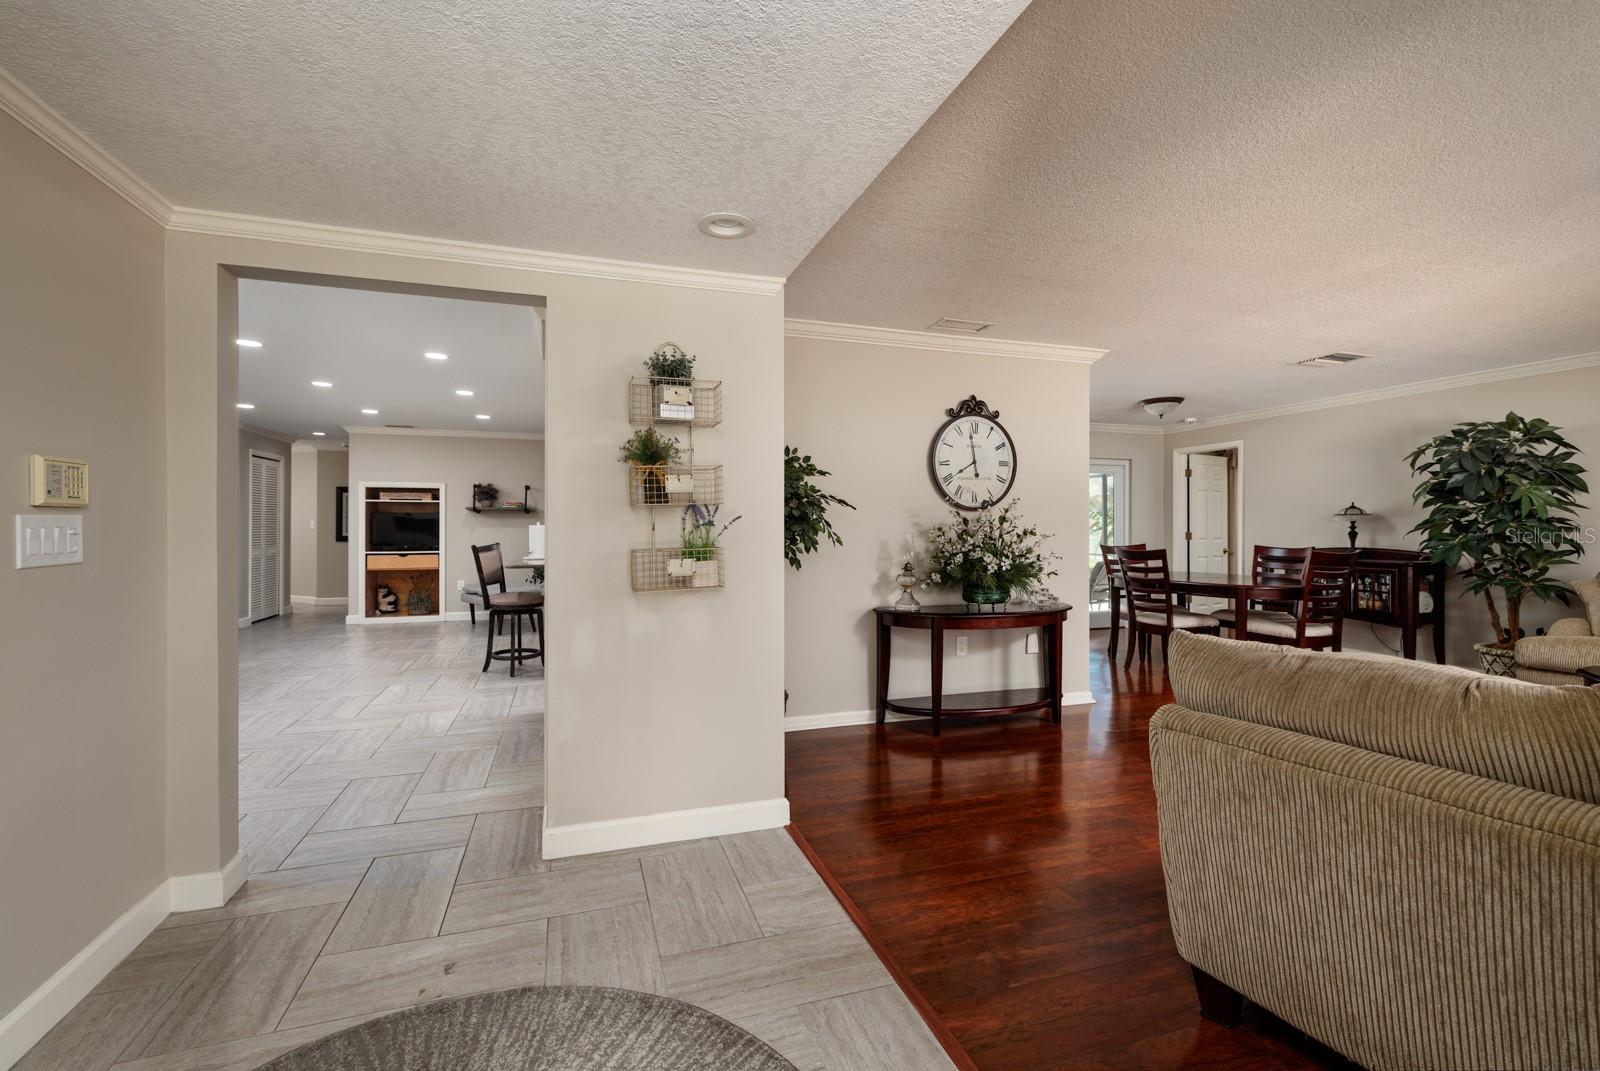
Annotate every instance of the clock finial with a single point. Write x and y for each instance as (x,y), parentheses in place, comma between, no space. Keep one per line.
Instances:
(973,406)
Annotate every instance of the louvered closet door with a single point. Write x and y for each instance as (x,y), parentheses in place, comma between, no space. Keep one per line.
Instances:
(266,537)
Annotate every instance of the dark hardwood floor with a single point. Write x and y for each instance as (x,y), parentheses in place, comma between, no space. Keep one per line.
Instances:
(1011,871)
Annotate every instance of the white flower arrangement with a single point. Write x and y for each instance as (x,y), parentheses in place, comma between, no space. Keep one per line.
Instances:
(993,549)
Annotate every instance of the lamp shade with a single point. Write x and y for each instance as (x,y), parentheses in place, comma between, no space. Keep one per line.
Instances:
(1353,510)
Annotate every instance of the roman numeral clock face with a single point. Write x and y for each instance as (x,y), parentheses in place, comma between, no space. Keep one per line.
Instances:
(973,460)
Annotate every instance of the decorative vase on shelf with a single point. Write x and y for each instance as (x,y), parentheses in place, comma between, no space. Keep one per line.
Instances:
(1497,661)
(978,595)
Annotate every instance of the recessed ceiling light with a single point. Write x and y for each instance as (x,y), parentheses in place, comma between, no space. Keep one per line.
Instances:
(319,434)
(243,405)
(247,343)
(370,412)
(483,416)
(435,355)
(464,393)
(320,383)
(727,225)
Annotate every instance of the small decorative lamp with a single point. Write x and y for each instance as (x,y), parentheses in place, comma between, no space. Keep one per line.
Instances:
(1351,512)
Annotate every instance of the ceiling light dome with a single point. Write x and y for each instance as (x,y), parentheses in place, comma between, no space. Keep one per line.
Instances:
(727,225)
(1160,407)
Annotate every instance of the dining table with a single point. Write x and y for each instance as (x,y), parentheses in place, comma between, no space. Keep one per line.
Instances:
(1241,589)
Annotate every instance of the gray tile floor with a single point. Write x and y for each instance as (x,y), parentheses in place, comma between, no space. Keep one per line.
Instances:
(390,804)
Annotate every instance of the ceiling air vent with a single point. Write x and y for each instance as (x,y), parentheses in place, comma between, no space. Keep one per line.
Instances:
(399,425)
(966,327)
(1333,360)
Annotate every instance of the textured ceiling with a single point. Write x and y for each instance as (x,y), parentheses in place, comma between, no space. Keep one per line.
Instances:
(370,346)
(600,128)
(1215,190)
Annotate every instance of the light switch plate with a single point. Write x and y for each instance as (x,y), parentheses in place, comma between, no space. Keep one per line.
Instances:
(43,540)
(1033,643)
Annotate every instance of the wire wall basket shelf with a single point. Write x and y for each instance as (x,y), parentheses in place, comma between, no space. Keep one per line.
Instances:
(695,402)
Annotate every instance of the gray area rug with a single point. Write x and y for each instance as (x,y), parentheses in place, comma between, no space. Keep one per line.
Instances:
(541,1028)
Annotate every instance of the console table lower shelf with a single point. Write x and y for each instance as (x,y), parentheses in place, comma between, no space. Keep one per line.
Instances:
(939,619)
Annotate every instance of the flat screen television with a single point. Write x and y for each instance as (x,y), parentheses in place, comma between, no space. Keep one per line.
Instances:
(404,530)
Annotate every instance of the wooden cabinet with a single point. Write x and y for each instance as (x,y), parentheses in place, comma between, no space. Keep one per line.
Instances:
(1400,588)
(400,583)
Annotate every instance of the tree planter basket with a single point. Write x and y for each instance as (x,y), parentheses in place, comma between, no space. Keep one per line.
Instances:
(1497,661)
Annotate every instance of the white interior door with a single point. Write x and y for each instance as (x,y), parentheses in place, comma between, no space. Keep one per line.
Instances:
(1208,513)
(266,537)
(1108,523)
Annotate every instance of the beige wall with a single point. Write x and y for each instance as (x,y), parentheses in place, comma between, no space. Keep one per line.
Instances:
(320,565)
(1147,481)
(82,747)
(271,446)
(867,413)
(1299,469)
(621,744)
(458,462)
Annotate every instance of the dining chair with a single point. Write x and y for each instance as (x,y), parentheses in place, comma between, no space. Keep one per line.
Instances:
(1318,618)
(506,605)
(1152,609)
(1268,564)
(1108,557)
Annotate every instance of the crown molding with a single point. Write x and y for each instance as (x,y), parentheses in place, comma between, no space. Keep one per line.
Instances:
(1131,429)
(355,239)
(1406,390)
(448,433)
(267,433)
(18,101)
(931,340)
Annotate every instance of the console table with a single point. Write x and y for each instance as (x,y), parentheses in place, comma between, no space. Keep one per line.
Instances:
(940,619)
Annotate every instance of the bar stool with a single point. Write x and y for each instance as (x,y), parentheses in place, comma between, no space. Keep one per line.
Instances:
(504,604)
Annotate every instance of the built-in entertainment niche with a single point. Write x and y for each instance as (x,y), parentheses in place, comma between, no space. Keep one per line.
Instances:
(402,547)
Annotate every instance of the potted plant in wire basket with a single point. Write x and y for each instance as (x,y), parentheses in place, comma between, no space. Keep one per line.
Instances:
(671,373)
(992,554)
(1501,496)
(698,544)
(650,452)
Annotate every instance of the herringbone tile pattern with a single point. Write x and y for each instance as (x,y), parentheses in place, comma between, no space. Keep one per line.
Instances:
(389,798)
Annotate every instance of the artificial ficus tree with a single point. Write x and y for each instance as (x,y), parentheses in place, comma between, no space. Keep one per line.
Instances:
(1501,497)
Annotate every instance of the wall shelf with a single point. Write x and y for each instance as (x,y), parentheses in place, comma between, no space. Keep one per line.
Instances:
(526,507)
(674,485)
(666,569)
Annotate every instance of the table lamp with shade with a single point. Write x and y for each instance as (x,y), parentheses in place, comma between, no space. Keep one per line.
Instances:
(1350,513)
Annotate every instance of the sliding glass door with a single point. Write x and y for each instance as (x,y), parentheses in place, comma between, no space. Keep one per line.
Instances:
(1108,523)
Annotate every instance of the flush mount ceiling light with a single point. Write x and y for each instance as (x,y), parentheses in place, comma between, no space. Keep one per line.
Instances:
(1333,360)
(727,225)
(1160,407)
(435,355)
(323,383)
(243,405)
(464,393)
(369,412)
(966,327)
(319,434)
(483,416)
(247,343)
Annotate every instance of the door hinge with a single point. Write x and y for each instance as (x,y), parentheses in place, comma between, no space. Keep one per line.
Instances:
(1188,474)
(1188,535)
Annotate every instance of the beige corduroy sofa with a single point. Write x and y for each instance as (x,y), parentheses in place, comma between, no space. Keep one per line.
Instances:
(1571,644)
(1401,859)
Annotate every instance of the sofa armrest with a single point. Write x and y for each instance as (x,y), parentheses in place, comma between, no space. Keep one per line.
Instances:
(1562,654)
(1360,896)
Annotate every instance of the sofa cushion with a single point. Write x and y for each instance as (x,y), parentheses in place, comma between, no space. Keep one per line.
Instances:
(1589,592)
(1509,731)
(1564,654)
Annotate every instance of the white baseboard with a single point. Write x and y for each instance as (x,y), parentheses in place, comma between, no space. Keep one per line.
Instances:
(586,838)
(458,615)
(195,892)
(318,600)
(244,622)
(47,1005)
(799,723)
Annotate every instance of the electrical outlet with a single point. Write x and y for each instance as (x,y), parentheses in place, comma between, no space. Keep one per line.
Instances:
(1033,643)
(961,646)
(461,585)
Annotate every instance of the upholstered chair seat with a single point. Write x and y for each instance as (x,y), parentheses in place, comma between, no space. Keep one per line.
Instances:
(1282,626)
(1180,619)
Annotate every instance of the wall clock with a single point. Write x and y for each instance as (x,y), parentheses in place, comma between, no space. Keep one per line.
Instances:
(972,460)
